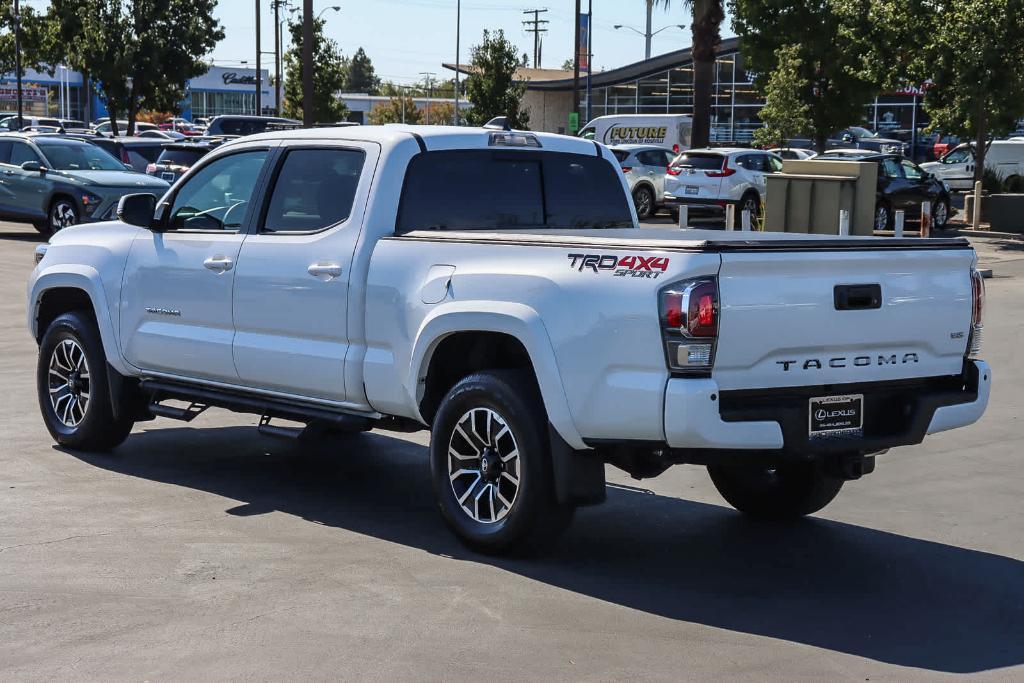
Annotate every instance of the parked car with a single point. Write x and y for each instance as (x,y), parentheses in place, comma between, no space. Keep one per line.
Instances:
(494,288)
(162,134)
(177,158)
(956,168)
(14,124)
(248,125)
(943,144)
(54,181)
(857,137)
(137,152)
(902,185)
(644,167)
(919,147)
(669,131)
(105,127)
(795,154)
(710,179)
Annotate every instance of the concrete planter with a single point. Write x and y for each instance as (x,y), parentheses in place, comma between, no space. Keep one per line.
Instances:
(1004,212)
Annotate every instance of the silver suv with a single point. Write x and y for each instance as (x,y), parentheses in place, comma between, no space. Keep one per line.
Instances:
(644,167)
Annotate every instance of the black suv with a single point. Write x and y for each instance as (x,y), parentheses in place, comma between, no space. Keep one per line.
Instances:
(249,125)
(902,185)
(178,157)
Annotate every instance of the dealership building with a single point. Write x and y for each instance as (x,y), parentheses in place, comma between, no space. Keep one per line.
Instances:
(664,85)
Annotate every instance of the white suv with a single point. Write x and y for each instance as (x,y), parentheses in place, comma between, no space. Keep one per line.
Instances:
(714,178)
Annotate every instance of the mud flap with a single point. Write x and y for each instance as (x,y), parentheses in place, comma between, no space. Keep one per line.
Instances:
(579,475)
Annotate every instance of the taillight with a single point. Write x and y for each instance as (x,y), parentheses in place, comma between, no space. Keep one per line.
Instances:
(977,309)
(675,148)
(124,156)
(627,169)
(725,171)
(672,170)
(150,168)
(689,313)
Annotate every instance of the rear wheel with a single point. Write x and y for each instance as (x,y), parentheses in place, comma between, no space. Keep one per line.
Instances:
(643,200)
(751,202)
(491,464)
(783,492)
(71,380)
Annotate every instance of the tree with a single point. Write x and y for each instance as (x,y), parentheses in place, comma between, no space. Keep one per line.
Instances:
(491,86)
(439,114)
(141,51)
(400,109)
(832,40)
(33,54)
(707,21)
(329,77)
(361,75)
(784,115)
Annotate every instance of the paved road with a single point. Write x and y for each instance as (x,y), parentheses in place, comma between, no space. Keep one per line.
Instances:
(206,551)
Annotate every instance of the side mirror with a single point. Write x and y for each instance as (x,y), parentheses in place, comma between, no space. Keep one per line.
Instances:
(32,166)
(137,209)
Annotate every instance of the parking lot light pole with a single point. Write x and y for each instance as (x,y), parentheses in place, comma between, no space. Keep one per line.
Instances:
(259,79)
(17,57)
(458,27)
(307,63)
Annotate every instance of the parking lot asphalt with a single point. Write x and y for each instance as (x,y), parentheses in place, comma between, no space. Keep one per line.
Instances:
(207,551)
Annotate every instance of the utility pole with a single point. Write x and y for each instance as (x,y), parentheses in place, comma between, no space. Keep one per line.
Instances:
(259,79)
(576,65)
(590,60)
(307,63)
(277,57)
(458,27)
(428,76)
(648,35)
(17,58)
(536,26)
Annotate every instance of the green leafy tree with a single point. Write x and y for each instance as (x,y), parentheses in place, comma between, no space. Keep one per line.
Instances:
(329,76)
(833,48)
(399,109)
(785,115)
(491,86)
(140,51)
(708,16)
(361,75)
(33,28)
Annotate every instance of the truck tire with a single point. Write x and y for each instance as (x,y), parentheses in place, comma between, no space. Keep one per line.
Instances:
(785,492)
(491,467)
(71,380)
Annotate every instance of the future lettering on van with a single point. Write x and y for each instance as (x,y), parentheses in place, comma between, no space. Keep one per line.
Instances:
(642,135)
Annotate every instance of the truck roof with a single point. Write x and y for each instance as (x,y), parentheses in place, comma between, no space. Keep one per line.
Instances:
(433,137)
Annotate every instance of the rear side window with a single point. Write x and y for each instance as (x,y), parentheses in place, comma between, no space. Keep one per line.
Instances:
(141,156)
(497,190)
(620,154)
(652,158)
(5,152)
(315,189)
(701,162)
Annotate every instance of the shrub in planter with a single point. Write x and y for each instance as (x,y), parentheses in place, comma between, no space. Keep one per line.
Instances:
(1014,185)
(991,181)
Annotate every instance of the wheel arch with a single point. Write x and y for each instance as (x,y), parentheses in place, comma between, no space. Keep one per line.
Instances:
(473,333)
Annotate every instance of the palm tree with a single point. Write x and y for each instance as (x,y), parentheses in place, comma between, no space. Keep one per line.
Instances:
(708,16)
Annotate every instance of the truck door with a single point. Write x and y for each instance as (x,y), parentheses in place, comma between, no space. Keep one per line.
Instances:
(176,296)
(292,282)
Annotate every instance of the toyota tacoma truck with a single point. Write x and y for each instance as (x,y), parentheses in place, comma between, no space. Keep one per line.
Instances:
(493,286)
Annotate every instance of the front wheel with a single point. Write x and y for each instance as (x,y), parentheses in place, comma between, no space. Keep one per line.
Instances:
(883,217)
(71,380)
(63,214)
(783,492)
(940,214)
(491,464)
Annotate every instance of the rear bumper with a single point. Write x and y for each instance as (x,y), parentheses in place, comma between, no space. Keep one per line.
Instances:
(705,425)
(702,204)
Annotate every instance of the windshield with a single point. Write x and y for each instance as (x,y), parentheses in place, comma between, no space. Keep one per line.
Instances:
(69,156)
(958,156)
(859,132)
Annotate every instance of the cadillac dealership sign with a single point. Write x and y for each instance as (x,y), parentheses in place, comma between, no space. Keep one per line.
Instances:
(231,78)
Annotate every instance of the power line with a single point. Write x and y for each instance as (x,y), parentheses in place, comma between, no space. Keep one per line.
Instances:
(536,26)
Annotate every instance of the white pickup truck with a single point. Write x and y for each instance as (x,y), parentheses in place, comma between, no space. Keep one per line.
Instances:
(493,286)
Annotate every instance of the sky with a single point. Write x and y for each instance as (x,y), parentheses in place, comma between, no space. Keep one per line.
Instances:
(407,37)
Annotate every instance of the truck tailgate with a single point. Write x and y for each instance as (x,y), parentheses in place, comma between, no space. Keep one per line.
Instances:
(798,318)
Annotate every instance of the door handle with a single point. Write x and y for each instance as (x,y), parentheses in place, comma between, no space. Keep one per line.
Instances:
(327,271)
(219,264)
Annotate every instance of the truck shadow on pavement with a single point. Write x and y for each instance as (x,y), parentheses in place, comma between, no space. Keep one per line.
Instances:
(846,588)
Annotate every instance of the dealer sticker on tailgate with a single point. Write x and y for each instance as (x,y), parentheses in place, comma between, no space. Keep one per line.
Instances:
(832,416)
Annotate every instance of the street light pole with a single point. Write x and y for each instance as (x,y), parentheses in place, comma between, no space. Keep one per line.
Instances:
(277,57)
(259,79)
(576,65)
(458,27)
(648,35)
(17,57)
(307,63)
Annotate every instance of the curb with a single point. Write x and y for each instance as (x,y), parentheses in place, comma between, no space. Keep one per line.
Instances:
(969,232)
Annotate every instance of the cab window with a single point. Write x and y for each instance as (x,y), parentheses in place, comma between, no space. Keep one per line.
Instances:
(315,189)
(958,156)
(218,195)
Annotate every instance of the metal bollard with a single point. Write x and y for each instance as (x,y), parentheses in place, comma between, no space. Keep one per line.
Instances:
(844,223)
(684,216)
(898,222)
(730,216)
(926,219)
(976,218)
(745,220)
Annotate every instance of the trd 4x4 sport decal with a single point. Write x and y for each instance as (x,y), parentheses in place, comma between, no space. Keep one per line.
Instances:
(650,267)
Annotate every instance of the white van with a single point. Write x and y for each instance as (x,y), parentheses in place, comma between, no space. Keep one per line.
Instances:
(956,167)
(670,131)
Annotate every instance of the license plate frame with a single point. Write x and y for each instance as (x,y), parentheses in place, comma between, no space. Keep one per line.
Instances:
(837,416)
(166,175)
(691,190)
